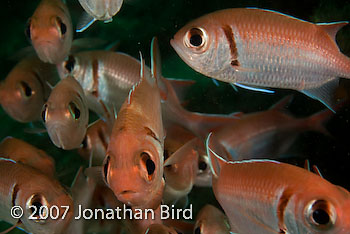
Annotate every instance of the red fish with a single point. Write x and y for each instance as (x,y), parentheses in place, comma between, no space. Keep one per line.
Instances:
(263,48)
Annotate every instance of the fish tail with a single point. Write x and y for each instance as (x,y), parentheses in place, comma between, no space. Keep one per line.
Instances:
(317,121)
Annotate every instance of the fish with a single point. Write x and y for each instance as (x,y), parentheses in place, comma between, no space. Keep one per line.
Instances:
(176,136)
(104,75)
(133,166)
(66,114)
(160,229)
(50,31)
(266,134)
(108,76)
(25,186)
(266,196)
(204,175)
(180,171)
(211,220)
(98,10)
(25,89)
(263,48)
(95,142)
(23,152)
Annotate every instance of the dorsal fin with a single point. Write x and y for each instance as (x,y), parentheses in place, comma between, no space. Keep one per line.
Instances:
(155,60)
(142,77)
(281,105)
(182,153)
(216,162)
(332,28)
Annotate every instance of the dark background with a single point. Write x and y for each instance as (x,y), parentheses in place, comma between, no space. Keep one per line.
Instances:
(135,25)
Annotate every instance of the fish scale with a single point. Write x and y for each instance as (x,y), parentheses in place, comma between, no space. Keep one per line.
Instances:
(264,48)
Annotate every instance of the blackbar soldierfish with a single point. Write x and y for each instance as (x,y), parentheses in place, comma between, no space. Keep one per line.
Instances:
(211,220)
(95,142)
(25,89)
(24,186)
(264,48)
(104,75)
(98,10)
(50,31)
(265,197)
(66,114)
(23,152)
(133,166)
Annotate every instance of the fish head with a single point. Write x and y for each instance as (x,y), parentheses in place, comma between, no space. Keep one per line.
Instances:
(50,32)
(210,220)
(320,208)
(180,169)
(22,95)
(198,45)
(204,176)
(44,197)
(71,65)
(66,115)
(133,169)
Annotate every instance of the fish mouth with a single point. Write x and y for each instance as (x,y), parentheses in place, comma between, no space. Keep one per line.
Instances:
(129,197)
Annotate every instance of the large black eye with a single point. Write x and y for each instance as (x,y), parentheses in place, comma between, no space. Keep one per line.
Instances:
(63,27)
(106,167)
(321,214)
(44,113)
(196,38)
(85,142)
(34,205)
(197,230)
(69,64)
(74,110)
(27,30)
(25,89)
(202,165)
(148,163)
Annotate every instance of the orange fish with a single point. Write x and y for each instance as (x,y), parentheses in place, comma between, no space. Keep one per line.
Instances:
(66,114)
(24,186)
(265,134)
(262,48)
(50,31)
(180,171)
(25,89)
(265,197)
(133,166)
(23,152)
(210,220)
(95,142)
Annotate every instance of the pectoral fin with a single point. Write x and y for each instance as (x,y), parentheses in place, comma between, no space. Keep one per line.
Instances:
(324,93)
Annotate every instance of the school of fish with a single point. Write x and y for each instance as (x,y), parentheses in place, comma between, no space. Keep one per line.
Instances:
(146,150)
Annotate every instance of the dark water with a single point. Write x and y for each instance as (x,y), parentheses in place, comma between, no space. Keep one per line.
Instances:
(140,20)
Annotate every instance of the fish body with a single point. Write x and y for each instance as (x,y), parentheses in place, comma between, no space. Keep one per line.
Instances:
(104,75)
(22,185)
(101,10)
(21,151)
(180,172)
(66,114)
(50,31)
(264,196)
(133,166)
(95,142)
(25,90)
(211,220)
(266,134)
(264,48)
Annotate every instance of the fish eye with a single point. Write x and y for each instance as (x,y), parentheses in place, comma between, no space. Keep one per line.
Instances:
(202,165)
(44,113)
(63,27)
(105,168)
(196,38)
(27,30)
(148,164)
(69,64)
(197,230)
(74,110)
(26,91)
(85,143)
(321,214)
(35,204)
